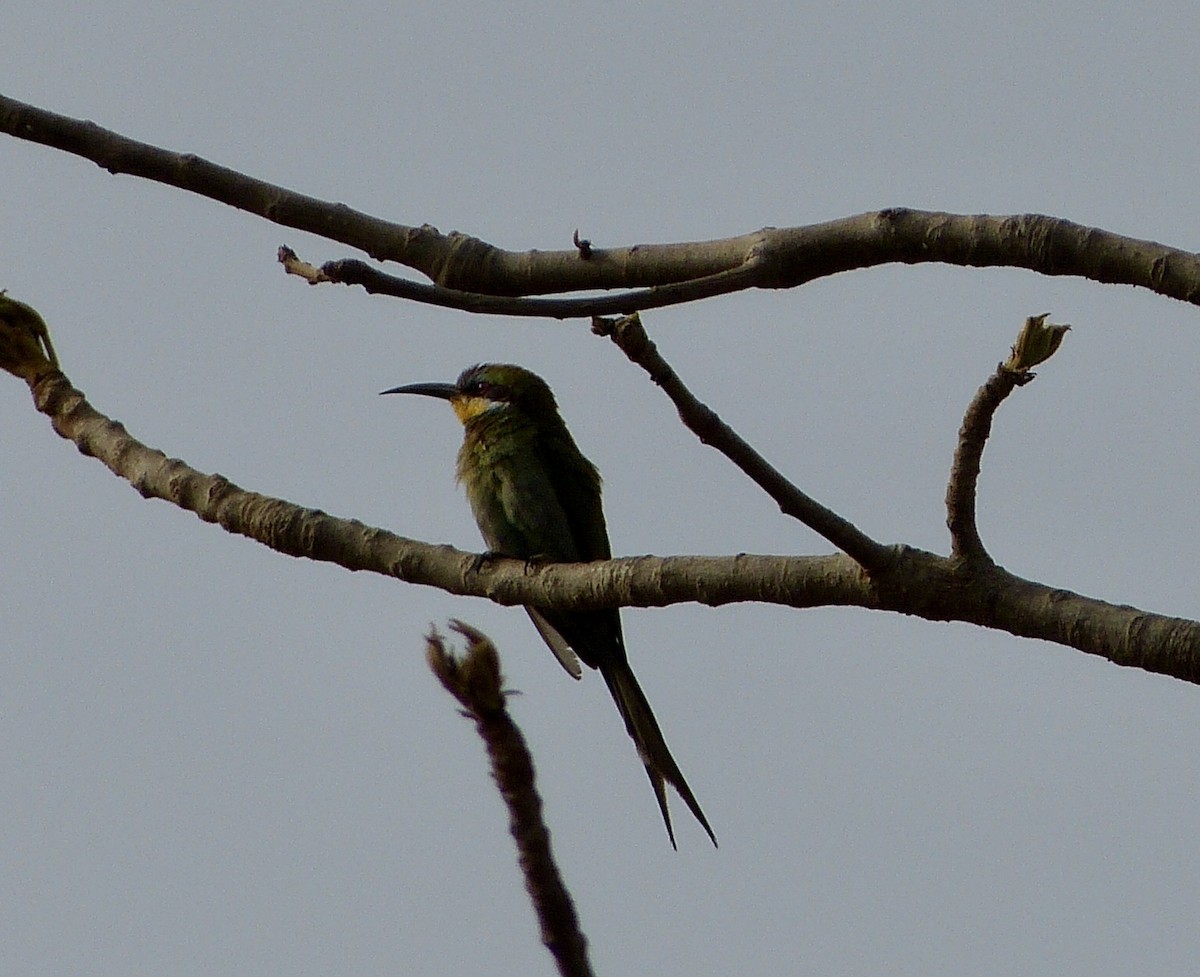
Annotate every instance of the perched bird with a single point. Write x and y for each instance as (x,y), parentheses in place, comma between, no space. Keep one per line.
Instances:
(536,497)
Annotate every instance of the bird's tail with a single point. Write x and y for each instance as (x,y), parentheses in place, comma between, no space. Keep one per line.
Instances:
(643,728)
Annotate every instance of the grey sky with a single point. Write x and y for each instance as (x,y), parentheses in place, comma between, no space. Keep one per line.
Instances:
(218,760)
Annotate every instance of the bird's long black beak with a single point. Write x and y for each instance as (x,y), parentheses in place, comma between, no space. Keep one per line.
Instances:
(443,391)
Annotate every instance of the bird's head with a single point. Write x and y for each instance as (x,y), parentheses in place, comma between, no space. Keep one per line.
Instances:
(490,387)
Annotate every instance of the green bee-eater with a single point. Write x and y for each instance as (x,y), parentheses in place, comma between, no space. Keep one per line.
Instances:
(536,497)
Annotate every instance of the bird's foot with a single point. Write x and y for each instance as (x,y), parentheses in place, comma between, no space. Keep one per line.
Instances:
(483,559)
(537,560)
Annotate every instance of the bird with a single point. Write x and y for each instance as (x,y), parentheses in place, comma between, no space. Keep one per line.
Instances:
(535,497)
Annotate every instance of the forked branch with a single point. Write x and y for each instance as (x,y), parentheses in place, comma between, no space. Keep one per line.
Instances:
(767,258)
(908,580)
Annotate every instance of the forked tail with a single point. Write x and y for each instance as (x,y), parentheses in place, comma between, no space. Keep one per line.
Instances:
(643,728)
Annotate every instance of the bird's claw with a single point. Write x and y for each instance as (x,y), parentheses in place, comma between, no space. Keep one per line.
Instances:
(483,559)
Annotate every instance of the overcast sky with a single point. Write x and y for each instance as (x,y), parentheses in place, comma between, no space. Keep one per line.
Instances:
(221,761)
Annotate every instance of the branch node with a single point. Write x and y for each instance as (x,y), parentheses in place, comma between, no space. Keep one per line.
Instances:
(294,265)
(25,347)
(1037,341)
(474,679)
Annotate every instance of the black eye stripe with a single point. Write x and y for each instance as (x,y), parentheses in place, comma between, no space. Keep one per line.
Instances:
(485,388)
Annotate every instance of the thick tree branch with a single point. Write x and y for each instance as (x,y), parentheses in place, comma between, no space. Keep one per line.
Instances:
(316,535)
(454,261)
(630,336)
(475,681)
(910,581)
(768,258)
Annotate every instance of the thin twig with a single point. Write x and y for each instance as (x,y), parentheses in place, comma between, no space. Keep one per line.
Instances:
(475,681)
(1037,341)
(351,271)
(629,334)
(965,542)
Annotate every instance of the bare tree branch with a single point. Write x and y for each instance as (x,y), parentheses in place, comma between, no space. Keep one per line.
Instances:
(25,347)
(968,454)
(909,581)
(350,271)
(310,533)
(454,261)
(475,681)
(1037,342)
(630,336)
(768,258)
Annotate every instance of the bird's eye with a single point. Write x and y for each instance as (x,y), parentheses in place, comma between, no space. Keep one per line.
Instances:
(487,389)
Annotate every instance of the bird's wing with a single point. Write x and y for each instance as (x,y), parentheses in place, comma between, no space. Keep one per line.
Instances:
(577,488)
(556,643)
(545,504)
(525,519)
(532,521)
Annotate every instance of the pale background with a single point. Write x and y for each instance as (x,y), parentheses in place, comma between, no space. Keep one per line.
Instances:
(220,761)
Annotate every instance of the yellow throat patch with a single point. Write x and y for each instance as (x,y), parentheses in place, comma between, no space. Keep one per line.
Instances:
(467,407)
